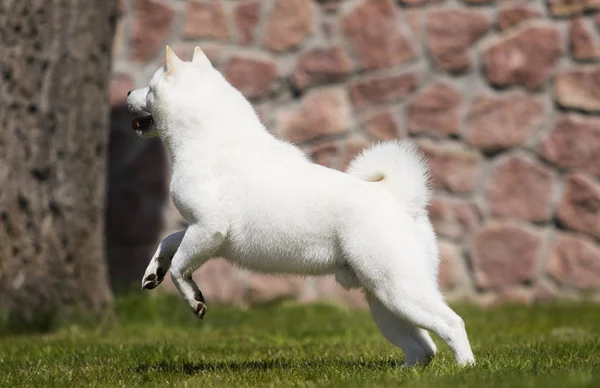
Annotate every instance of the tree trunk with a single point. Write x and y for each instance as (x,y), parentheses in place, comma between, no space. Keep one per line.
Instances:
(55,63)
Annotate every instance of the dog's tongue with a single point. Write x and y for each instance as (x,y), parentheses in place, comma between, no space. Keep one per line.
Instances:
(142,123)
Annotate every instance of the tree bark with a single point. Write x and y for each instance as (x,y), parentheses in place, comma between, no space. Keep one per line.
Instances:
(55,64)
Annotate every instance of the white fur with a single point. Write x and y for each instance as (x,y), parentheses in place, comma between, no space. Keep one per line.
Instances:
(261,204)
(395,164)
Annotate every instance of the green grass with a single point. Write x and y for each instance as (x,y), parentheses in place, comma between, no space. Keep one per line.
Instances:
(156,341)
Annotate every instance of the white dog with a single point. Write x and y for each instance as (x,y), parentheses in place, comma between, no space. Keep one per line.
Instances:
(261,204)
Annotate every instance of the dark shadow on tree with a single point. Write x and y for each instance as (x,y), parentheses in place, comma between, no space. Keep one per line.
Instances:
(136,195)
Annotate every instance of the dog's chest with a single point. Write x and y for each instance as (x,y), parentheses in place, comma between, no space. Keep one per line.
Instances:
(183,201)
(194,193)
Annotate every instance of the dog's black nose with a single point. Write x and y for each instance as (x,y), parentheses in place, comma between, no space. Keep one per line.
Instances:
(129,92)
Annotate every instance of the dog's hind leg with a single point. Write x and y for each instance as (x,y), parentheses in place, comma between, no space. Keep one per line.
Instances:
(346,278)
(199,244)
(422,305)
(417,345)
(392,264)
(161,260)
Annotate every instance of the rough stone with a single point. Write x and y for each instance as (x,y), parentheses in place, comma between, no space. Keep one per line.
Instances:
(321,65)
(382,89)
(579,88)
(574,143)
(253,76)
(514,15)
(502,122)
(436,111)
(453,167)
(331,5)
(264,114)
(206,20)
(338,153)
(414,3)
(452,218)
(290,22)
(269,288)
(581,41)
(328,289)
(450,34)
(330,28)
(323,112)
(246,15)
(544,291)
(579,208)
(326,154)
(517,294)
(450,257)
(150,26)
(520,188)
(505,255)
(353,146)
(526,57)
(571,7)
(381,125)
(414,17)
(575,261)
(220,282)
(374,33)
(120,84)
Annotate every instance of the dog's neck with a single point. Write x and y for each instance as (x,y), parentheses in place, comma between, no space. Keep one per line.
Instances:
(204,140)
(215,123)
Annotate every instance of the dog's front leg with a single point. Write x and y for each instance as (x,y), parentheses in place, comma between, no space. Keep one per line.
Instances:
(161,261)
(199,244)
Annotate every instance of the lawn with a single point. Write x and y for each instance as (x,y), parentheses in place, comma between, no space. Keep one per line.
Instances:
(156,341)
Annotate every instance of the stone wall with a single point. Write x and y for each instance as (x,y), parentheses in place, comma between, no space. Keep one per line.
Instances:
(502,96)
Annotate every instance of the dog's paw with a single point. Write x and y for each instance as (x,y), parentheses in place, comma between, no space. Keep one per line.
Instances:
(154,275)
(199,309)
(151,281)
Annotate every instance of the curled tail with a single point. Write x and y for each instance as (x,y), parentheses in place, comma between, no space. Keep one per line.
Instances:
(400,168)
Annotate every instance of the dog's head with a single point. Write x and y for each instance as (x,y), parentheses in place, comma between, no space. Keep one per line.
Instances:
(170,90)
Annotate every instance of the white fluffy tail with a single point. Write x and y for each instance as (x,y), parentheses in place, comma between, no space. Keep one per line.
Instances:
(400,168)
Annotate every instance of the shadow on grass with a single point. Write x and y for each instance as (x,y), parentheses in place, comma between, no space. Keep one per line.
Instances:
(16,323)
(193,368)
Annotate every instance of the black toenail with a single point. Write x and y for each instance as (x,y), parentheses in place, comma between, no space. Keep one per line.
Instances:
(129,92)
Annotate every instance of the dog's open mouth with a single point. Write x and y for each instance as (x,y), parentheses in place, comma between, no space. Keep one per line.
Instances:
(142,123)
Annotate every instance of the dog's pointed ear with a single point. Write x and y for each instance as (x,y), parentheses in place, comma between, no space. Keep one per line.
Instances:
(200,59)
(173,61)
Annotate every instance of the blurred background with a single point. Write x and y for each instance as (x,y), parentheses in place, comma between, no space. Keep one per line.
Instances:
(502,96)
